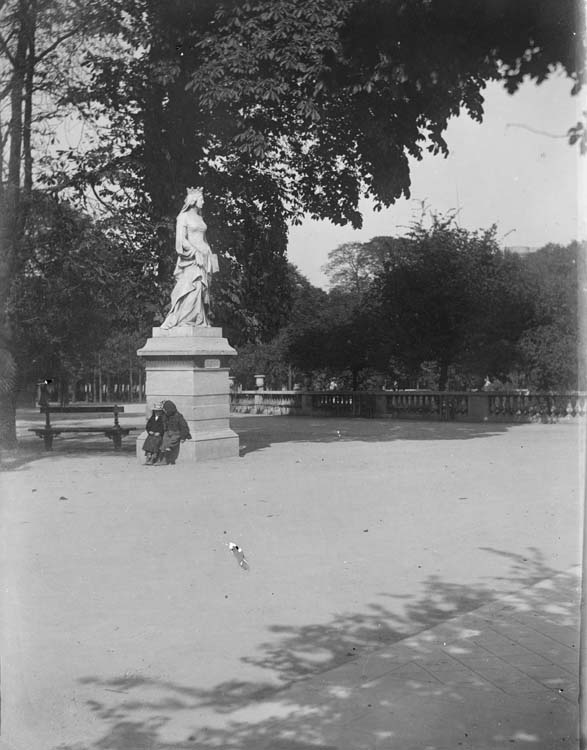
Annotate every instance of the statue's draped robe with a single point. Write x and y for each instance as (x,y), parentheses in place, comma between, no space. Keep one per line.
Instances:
(192,272)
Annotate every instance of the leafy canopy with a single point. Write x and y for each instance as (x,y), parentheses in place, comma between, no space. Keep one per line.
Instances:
(280,110)
(301,108)
(340,93)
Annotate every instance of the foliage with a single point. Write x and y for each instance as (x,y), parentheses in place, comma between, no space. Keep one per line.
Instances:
(333,339)
(154,145)
(428,299)
(352,266)
(549,347)
(274,359)
(280,111)
(262,359)
(550,358)
(73,287)
(34,36)
(343,92)
(446,305)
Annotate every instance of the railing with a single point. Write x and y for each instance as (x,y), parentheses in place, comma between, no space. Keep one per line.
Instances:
(441,405)
(474,406)
(537,407)
(266,402)
(350,404)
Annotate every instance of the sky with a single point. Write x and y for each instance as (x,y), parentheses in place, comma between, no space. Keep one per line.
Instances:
(530,184)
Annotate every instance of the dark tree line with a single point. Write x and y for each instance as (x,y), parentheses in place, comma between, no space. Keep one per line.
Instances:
(442,305)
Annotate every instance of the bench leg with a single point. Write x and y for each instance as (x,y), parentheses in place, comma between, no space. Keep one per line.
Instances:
(116,438)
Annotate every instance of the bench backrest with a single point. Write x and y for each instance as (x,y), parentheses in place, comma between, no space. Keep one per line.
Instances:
(57,409)
(48,409)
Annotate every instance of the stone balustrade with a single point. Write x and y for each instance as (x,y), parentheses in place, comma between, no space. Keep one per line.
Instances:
(266,402)
(464,406)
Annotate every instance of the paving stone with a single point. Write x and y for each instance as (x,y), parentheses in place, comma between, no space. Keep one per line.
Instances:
(455,678)
(514,685)
(478,658)
(412,676)
(378,664)
(523,657)
(550,673)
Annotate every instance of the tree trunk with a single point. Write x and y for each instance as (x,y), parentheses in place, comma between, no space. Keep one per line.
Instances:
(443,379)
(7,399)
(29,83)
(9,232)
(130,383)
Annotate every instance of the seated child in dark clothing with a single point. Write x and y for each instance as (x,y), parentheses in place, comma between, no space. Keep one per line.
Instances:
(155,427)
(176,431)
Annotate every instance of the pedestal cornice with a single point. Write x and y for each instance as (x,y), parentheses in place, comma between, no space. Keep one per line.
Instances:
(187,341)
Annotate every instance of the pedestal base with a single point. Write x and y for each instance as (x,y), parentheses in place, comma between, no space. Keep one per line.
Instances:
(209,446)
(189,366)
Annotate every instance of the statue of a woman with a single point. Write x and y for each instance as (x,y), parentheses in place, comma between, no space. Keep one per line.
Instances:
(194,267)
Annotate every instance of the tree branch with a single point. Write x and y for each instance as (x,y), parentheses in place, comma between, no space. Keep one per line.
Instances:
(57,42)
(5,91)
(6,49)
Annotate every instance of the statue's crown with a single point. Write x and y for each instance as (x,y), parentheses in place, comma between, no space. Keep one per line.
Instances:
(194,192)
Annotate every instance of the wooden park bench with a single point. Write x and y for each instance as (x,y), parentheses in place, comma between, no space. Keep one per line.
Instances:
(115,432)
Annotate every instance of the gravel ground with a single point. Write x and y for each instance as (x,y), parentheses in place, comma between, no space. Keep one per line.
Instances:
(125,608)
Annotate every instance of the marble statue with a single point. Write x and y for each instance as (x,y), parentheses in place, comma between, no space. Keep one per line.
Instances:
(195,265)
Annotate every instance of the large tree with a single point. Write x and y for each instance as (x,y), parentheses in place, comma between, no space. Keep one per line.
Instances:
(34,36)
(288,110)
(75,288)
(549,346)
(449,296)
(330,99)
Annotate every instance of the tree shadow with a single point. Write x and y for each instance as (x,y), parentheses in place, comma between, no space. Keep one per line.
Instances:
(31,450)
(346,658)
(257,433)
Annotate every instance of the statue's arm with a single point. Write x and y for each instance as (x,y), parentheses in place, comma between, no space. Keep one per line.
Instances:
(184,246)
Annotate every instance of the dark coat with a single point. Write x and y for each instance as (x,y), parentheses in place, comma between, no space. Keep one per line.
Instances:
(156,423)
(176,425)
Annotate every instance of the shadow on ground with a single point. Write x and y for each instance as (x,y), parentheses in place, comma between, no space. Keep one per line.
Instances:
(256,433)
(30,448)
(137,711)
(29,451)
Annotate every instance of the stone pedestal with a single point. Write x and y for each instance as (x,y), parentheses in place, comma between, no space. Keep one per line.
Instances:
(189,366)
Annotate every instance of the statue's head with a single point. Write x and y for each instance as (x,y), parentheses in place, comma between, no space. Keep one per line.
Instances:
(194,196)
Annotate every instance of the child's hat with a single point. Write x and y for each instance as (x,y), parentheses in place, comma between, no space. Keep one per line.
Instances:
(157,405)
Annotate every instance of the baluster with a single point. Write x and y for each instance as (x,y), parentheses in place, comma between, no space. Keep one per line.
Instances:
(509,406)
